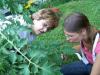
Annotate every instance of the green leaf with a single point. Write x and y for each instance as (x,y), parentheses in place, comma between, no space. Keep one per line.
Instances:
(20,8)
(2,17)
(36,54)
(21,43)
(33,9)
(27,18)
(34,69)
(4,64)
(4,51)
(12,57)
(12,72)
(46,69)
(25,69)
(2,3)
(19,58)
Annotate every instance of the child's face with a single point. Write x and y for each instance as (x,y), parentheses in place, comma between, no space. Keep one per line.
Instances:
(40,26)
(72,37)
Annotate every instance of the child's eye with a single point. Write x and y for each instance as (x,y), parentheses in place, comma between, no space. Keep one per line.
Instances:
(45,25)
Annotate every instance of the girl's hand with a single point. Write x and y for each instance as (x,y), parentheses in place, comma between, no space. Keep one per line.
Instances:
(96,66)
(64,57)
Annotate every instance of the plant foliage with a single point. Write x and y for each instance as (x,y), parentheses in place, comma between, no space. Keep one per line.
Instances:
(19,56)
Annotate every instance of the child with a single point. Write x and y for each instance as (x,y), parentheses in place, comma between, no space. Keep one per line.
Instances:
(78,29)
(43,20)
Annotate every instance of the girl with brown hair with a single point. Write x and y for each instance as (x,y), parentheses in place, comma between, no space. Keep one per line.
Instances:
(77,28)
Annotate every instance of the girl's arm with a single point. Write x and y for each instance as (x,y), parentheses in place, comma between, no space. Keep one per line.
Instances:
(96,66)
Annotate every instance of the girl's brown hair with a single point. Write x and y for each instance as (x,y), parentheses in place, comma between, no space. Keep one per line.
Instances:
(75,22)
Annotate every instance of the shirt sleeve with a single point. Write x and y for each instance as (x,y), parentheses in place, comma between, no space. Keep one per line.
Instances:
(97,49)
(26,35)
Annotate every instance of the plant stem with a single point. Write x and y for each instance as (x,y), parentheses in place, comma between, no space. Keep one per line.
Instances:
(18,50)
